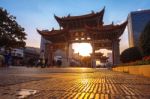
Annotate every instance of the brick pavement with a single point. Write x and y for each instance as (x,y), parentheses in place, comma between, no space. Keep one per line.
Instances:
(84,84)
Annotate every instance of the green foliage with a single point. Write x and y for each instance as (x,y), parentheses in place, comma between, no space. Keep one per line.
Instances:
(145,40)
(139,62)
(130,55)
(11,33)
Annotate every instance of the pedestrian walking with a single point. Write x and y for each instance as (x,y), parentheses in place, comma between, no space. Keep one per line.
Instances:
(8,58)
(1,60)
(42,60)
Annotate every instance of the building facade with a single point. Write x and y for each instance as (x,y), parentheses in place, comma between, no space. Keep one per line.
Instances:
(137,21)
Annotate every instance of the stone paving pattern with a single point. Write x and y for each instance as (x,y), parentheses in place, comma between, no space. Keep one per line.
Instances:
(74,83)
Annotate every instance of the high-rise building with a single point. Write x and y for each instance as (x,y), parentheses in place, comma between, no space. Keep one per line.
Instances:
(137,21)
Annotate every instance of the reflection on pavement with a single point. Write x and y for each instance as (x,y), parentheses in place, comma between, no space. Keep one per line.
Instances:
(24,93)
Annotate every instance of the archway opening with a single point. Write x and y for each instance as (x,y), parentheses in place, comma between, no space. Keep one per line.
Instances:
(84,49)
(106,53)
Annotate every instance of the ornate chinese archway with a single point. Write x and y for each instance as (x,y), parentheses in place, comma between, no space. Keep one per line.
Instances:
(86,28)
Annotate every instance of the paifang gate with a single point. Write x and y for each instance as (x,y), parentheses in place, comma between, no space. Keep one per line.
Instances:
(85,28)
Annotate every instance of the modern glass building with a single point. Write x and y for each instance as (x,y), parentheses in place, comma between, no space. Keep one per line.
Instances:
(137,21)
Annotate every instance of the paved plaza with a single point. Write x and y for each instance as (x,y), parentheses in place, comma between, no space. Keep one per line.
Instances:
(71,83)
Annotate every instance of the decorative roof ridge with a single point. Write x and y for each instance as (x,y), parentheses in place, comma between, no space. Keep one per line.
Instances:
(80,16)
(110,26)
(51,32)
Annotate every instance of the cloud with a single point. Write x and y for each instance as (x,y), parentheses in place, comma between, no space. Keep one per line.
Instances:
(140,9)
(120,22)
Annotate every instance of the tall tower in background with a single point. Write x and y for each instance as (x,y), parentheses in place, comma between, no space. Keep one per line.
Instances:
(137,21)
(43,42)
(42,45)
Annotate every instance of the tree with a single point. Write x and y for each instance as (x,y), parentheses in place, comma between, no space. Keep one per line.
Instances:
(130,55)
(11,33)
(144,42)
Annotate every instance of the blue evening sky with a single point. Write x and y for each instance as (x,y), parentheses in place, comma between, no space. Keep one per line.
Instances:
(32,14)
